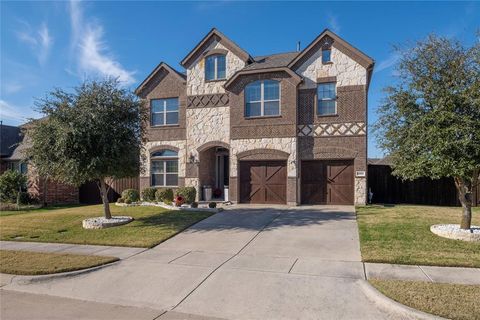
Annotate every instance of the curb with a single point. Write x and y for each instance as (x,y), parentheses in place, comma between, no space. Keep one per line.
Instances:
(390,305)
(24,279)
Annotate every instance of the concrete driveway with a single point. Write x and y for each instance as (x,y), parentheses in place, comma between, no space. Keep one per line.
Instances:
(245,263)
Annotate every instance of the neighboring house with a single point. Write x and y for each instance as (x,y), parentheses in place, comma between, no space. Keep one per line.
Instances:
(13,145)
(286,128)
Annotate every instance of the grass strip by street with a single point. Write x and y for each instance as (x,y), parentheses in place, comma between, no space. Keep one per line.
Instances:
(451,301)
(400,234)
(38,263)
(151,226)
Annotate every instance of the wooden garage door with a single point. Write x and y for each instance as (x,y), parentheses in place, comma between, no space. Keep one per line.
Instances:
(327,182)
(263,182)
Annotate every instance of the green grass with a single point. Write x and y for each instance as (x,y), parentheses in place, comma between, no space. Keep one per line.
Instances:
(36,263)
(452,301)
(401,235)
(151,226)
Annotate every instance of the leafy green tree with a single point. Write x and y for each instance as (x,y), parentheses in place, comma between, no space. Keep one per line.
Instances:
(12,183)
(94,133)
(430,122)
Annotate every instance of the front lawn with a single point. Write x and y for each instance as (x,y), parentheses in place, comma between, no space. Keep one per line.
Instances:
(451,301)
(401,234)
(36,263)
(152,225)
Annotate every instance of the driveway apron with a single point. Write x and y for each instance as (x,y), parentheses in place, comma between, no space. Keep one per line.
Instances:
(242,263)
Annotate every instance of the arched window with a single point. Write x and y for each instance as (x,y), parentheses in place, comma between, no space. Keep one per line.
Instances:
(262,98)
(215,67)
(164,168)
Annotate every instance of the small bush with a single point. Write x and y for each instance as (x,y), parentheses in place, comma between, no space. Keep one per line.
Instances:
(130,194)
(11,182)
(165,194)
(120,200)
(128,201)
(188,193)
(194,205)
(167,202)
(24,198)
(148,194)
(212,205)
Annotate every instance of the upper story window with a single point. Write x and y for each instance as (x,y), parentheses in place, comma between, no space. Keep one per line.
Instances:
(164,168)
(215,67)
(262,98)
(327,99)
(326,55)
(164,111)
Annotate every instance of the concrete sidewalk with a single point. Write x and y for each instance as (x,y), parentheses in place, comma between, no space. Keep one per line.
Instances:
(110,251)
(455,275)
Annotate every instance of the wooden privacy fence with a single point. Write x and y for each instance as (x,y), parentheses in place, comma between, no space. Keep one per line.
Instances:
(89,193)
(387,188)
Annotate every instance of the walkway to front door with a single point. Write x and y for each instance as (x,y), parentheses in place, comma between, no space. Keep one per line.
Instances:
(246,263)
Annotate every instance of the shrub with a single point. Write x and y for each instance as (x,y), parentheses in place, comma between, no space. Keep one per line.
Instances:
(11,182)
(212,205)
(24,198)
(128,201)
(168,202)
(130,194)
(148,194)
(120,200)
(194,205)
(188,193)
(165,194)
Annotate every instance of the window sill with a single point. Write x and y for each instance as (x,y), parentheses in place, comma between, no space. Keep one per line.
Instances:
(327,115)
(164,126)
(215,80)
(262,117)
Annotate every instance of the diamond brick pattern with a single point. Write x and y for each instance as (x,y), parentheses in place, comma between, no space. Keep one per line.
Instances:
(332,129)
(208,100)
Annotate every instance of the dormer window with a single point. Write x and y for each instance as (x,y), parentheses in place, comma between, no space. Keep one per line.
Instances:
(326,56)
(215,68)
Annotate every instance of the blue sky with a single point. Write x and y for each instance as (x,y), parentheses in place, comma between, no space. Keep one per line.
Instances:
(58,44)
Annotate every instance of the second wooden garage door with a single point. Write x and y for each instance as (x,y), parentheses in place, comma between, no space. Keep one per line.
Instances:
(263,182)
(327,182)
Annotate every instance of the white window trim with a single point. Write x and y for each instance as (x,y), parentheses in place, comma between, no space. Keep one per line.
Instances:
(327,99)
(165,173)
(262,102)
(215,67)
(164,111)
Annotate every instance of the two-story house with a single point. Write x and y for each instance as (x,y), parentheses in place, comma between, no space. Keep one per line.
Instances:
(287,128)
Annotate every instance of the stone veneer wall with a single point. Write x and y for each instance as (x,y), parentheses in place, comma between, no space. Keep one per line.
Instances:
(360,191)
(196,73)
(347,71)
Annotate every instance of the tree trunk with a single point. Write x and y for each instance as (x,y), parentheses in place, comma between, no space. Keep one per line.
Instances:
(465,197)
(104,195)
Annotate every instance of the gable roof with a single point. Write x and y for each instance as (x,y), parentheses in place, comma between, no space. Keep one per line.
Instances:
(220,37)
(272,61)
(10,136)
(341,44)
(161,65)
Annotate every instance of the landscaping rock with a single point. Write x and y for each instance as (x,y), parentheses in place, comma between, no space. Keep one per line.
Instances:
(101,222)
(453,231)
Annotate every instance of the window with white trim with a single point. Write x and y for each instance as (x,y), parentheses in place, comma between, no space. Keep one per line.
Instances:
(327,99)
(262,98)
(164,168)
(164,111)
(215,67)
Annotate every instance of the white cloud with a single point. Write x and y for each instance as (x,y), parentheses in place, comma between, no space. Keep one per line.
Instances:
(333,23)
(14,114)
(12,87)
(387,63)
(91,50)
(40,41)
